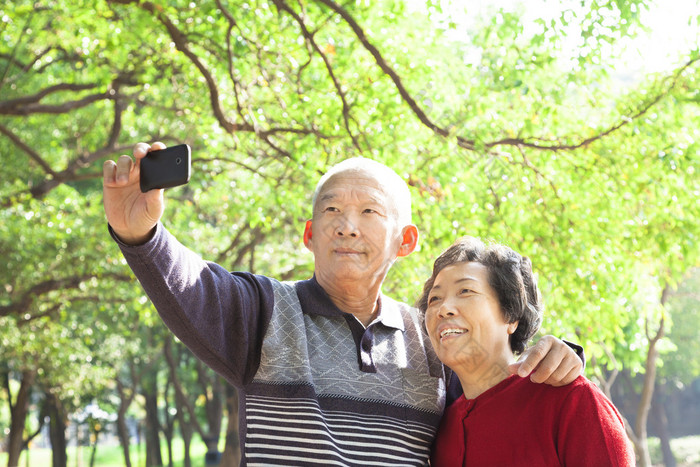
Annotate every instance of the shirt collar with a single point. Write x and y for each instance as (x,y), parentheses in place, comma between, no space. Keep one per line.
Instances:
(389,313)
(315,301)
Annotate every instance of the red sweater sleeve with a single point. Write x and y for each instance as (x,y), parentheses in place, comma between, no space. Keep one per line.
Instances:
(591,430)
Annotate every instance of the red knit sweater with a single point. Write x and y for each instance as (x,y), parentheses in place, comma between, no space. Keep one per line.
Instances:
(518,422)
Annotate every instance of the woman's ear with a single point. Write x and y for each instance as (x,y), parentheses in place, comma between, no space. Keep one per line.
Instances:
(512,327)
(307,235)
(409,240)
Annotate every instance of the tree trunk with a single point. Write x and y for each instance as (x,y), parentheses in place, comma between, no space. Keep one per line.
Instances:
(153,455)
(168,425)
(215,414)
(641,446)
(18,416)
(213,389)
(186,431)
(57,431)
(123,435)
(232,451)
(184,411)
(169,444)
(659,411)
(94,449)
(122,430)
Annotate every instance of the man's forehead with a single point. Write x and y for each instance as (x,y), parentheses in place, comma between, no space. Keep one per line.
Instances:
(358,192)
(357,183)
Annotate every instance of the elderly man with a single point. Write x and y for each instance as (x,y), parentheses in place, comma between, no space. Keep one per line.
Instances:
(329,370)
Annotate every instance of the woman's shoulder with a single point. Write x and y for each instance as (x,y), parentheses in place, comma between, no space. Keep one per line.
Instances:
(580,385)
(581,393)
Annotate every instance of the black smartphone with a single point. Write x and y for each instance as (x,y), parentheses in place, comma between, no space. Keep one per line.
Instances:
(166,168)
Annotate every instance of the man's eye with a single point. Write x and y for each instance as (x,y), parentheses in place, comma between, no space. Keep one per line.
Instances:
(369,211)
(331,209)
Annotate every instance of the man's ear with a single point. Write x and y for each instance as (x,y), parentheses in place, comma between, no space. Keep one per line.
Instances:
(409,240)
(307,235)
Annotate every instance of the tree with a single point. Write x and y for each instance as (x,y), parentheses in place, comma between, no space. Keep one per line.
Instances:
(680,364)
(192,383)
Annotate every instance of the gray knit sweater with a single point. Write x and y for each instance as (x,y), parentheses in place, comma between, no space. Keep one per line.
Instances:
(315,385)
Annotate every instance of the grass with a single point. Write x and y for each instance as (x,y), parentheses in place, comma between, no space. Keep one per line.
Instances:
(109,456)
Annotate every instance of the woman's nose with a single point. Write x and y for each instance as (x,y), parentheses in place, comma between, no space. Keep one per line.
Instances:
(446,309)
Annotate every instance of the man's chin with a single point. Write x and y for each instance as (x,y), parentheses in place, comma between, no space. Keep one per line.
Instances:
(345,271)
(350,271)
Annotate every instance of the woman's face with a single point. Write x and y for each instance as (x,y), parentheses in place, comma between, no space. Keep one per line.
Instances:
(464,320)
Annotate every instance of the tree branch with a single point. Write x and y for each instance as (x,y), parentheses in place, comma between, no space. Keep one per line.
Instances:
(30,152)
(469,144)
(229,56)
(35,98)
(6,386)
(69,173)
(31,104)
(606,386)
(310,39)
(181,43)
(15,48)
(27,299)
(405,95)
(532,142)
(26,66)
(650,372)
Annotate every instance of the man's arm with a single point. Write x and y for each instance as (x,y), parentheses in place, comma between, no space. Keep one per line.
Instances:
(556,362)
(220,316)
(550,361)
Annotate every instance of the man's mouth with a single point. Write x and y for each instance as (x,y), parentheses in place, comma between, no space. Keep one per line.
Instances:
(347,251)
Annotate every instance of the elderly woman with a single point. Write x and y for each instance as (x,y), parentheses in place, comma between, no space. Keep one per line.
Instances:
(481,306)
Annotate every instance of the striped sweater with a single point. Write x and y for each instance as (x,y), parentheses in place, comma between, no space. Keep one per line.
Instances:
(315,385)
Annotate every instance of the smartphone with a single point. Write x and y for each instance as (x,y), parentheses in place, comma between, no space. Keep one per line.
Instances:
(166,168)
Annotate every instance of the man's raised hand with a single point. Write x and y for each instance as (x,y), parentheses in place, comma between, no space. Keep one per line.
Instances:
(131,214)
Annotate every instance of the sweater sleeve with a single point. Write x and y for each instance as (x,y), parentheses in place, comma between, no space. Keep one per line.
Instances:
(220,316)
(591,430)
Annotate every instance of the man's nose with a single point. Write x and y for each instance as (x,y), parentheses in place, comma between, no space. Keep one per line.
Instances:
(346,227)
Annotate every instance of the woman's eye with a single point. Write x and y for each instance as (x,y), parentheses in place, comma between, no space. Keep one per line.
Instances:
(432,299)
(466,291)
(369,211)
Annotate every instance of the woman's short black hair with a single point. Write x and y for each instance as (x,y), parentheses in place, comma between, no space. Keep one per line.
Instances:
(510,276)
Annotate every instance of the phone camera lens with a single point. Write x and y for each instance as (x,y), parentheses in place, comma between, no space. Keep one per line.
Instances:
(178,161)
